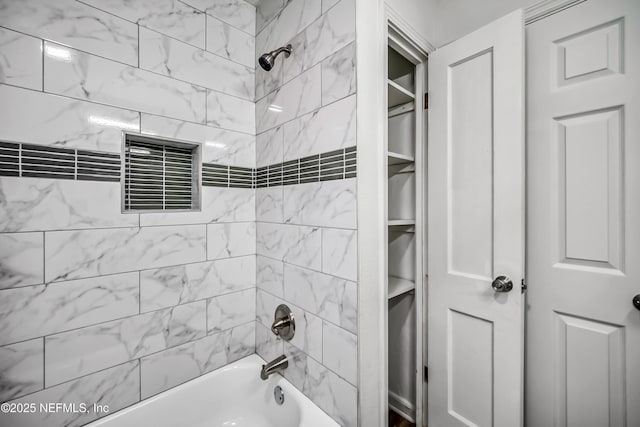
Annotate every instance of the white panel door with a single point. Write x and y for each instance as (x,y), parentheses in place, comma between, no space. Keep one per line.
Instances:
(583,246)
(476,227)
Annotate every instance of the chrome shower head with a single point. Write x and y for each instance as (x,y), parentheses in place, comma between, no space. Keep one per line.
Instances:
(267,60)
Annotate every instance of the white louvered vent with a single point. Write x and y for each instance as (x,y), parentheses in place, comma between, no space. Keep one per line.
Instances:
(160,175)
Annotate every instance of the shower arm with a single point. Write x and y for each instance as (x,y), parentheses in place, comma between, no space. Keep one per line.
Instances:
(286,49)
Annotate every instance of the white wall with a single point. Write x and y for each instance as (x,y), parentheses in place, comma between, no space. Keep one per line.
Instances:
(417,13)
(455,18)
(443,21)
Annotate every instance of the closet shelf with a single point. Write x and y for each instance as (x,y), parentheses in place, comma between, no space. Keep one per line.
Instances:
(400,222)
(401,109)
(398,95)
(398,286)
(397,158)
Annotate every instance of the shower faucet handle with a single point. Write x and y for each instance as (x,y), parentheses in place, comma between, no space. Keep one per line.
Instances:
(279,324)
(284,325)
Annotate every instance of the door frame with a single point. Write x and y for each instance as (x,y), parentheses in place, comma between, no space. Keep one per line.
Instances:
(372,20)
(411,50)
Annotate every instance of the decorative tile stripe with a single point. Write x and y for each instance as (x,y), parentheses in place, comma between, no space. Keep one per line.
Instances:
(338,164)
(28,160)
(241,177)
(36,161)
(214,175)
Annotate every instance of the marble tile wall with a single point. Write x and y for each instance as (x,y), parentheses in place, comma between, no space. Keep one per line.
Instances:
(111,308)
(307,233)
(96,305)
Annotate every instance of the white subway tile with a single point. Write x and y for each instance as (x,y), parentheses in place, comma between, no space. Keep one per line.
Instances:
(269,147)
(79,75)
(327,204)
(218,205)
(227,112)
(72,354)
(174,366)
(237,13)
(296,98)
(268,345)
(231,43)
(231,240)
(74,24)
(327,129)
(21,259)
(334,30)
(115,388)
(87,253)
(331,298)
(55,204)
(269,204)
(181,61)
(293,244)
(270,276)
(296,16)
(340,352)
(21,369)
(169,286)
(20,60)
(230,310)
(339,74)
(36,311)
(340,253)
(171,17)
(218,145)
(44,119)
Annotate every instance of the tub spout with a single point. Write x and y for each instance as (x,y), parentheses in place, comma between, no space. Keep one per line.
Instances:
(276,365)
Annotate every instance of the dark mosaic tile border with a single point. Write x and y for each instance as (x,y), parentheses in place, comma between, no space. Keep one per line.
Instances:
(36,161)
(214,175)
(332,165)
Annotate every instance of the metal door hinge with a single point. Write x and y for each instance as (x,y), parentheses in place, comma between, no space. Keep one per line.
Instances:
(523,285)
(426,374)
(426,100)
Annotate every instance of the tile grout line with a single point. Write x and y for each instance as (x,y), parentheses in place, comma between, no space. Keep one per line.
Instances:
(139,359)
(44,365)
(205,124)
(139,291)
(137,66)
(127,109)
(44,261)
(42,59)
(45,283)
(219,19)
(123,227)
(314,110)
(155,310)
(136,22)
(140,379)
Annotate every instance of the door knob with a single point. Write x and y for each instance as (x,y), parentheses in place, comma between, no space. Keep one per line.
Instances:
(502,284)
(636,301)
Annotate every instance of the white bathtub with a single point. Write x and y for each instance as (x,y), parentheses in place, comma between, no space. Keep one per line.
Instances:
(232,396)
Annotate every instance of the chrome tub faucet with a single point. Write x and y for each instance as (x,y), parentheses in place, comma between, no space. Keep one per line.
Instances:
(276,365)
